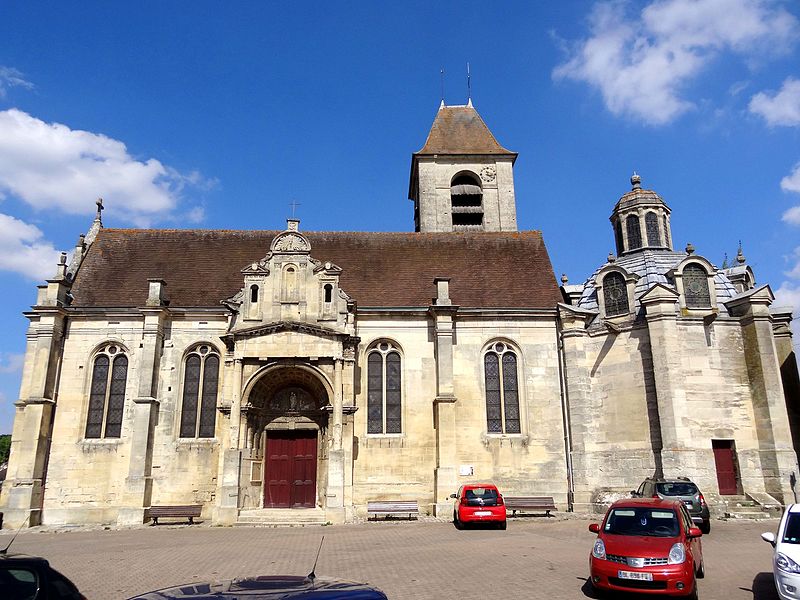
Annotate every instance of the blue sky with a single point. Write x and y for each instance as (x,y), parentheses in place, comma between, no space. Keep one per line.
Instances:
(219,115)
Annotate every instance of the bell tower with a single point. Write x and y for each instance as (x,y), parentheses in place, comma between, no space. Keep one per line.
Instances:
(462,179)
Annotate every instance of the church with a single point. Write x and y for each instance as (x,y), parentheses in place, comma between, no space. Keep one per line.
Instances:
(292,377)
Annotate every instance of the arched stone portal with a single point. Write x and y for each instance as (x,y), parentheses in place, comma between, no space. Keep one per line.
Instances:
(286,417)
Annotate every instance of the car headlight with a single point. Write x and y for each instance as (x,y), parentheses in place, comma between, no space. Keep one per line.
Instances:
(677,554)
(784,563)
(599,550)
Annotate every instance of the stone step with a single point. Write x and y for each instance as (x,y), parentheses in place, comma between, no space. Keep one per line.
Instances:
(274,517)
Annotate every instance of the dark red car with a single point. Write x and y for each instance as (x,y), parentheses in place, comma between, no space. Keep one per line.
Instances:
(478,503)
(647,545)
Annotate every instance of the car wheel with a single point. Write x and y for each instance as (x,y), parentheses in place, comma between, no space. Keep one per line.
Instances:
(502,525)
(458,524)
(705,527)
(693,595)
(701,570)
(597,592)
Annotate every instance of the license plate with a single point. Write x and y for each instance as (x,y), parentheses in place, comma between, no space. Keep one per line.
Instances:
(482,513)
(635,575)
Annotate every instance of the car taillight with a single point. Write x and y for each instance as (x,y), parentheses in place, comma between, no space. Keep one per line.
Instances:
(499,501)
(702,500)
(464,501)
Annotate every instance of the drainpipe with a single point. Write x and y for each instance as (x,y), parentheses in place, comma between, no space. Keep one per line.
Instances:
(565,416)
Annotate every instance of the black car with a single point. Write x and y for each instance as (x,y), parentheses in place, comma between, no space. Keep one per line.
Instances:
(32,578)
(283,587)
(683,489)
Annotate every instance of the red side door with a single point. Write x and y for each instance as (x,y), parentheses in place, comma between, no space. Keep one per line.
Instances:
(291,469)
(725,461)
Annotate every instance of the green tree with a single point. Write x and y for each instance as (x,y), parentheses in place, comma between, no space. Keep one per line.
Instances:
(5,447)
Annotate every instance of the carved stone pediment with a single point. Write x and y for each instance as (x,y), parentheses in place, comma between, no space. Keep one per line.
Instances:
(290,242)
(279,327)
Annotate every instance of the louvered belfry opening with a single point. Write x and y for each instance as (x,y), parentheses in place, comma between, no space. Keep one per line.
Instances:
(466,197)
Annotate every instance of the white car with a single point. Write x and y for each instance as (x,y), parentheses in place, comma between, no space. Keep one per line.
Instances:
(786,560)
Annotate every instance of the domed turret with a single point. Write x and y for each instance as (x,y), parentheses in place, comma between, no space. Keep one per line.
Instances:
(641,220)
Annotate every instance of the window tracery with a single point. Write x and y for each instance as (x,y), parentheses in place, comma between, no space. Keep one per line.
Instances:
(200,386)
(107,393)
(502,389)
(384,389)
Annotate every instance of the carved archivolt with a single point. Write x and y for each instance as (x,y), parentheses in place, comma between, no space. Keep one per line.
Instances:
(290,242)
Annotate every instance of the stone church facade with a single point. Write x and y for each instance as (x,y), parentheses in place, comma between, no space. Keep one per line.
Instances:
(287,375)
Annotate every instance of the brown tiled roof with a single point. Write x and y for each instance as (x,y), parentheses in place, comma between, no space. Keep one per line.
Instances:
(460,130)
(202,267)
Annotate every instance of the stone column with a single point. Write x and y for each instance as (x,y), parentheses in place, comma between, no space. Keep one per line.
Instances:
(579,403)
(348,421)
(778,459)
(334,495)
(662,324)
(226,510)
(444,404)
(23,490)
(139,482)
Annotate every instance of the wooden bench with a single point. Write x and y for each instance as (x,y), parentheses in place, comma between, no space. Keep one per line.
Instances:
(523,503)
(393,507)
(186,510)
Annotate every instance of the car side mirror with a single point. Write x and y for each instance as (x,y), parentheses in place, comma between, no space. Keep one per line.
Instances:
(769,537)
(633,493)
(453,496)
(594,527)
(694,532)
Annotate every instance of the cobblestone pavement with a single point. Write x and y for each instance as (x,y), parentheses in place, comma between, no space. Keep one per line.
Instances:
(536,558)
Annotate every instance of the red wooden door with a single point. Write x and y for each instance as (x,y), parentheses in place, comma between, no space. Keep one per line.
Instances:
(291,469)
(724,459)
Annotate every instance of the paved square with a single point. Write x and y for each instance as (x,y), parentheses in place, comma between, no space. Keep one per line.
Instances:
(535,558)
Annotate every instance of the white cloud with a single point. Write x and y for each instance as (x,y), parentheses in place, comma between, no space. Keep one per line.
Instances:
(24,250)
(49,165)
(791,183)
(11,363)
(782,108)
(641,65)
(788,295)
(9,78)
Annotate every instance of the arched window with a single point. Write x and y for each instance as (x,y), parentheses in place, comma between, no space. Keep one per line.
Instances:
(502,390)
(634,233)
(620,241)
(466,199)
(651,225)
(200,384)
(253,293)
(328,293)
(695,287)
(666,232)
(384,373)
(615,295)
(107,394)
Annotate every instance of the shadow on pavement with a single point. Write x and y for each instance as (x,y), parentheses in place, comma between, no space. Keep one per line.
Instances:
(763,587)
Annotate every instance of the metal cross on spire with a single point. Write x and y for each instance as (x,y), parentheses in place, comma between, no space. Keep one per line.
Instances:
(294,204)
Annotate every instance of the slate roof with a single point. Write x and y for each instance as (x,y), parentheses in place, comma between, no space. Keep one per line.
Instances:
(202,267)
(460,130)
(652,267)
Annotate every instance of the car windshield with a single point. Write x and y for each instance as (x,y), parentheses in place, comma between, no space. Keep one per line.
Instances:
(791,534)
(481,496)
(677,488)
(654,522)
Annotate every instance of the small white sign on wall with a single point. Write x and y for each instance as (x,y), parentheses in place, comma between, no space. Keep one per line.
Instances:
(466,470)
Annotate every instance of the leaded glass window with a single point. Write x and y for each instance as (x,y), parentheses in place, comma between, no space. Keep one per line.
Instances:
(200,386)
(107,393)
(615,295)
(634,233)
(695,287)
(651,225)
(620,244)
(666,232)
(502,390)
(384,389)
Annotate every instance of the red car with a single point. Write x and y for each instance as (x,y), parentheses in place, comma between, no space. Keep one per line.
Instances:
(647,545)
(478,503)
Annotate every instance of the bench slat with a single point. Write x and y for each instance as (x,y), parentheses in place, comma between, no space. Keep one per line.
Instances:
(389,507)
(186,510)
(545,503)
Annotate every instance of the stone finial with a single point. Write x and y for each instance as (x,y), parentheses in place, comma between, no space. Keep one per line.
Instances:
(611,257)
(564,279)
(62,260)
(740,255)
(689,248)
(100,209)
(636,181)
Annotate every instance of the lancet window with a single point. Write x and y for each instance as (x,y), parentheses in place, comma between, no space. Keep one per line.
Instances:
(502,389)
(384,389)
(107,393)
(200,387)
